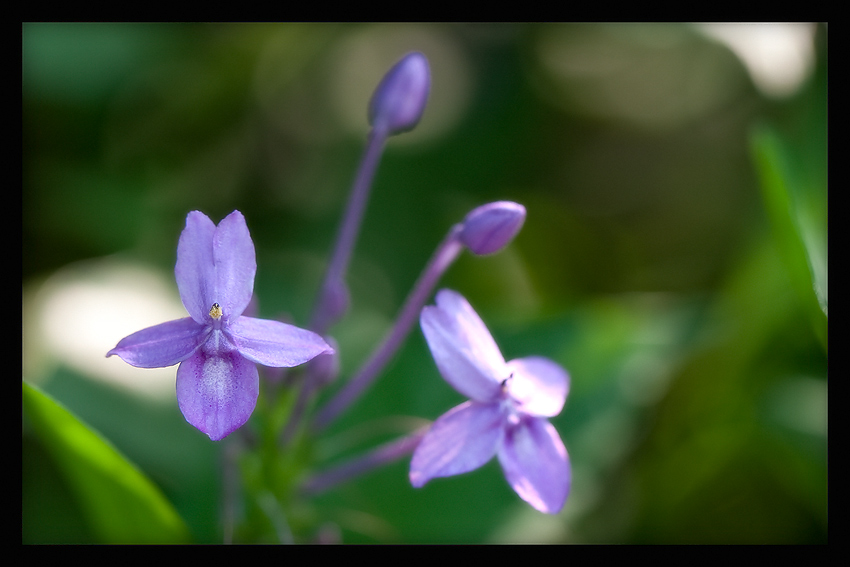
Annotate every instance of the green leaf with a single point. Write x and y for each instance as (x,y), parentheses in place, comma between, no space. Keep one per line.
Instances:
(120,503)
(798,215)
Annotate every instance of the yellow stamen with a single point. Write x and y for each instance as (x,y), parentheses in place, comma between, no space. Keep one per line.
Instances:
(215,311)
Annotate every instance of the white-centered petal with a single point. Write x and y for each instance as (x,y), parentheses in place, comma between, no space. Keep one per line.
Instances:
(538,385)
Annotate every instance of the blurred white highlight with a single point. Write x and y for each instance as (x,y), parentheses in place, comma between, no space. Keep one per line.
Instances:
(779,57)
(84,309)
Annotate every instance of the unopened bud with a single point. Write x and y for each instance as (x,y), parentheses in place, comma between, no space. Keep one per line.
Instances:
(491,227)
(399,101)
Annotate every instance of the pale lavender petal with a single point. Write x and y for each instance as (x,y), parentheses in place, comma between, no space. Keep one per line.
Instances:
(162,345)
(272,343)
(235,265)
(462,347)
(536,464)
(539,385)
(471,329)
(461,440)
(195,269)
(217,394)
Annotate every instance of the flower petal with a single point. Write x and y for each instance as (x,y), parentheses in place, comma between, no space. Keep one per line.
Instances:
(463,348)
(539,385)
(217,394)
(272,343)
(536,464)
(162,345)
(461,440)
(195,269)
(235,265)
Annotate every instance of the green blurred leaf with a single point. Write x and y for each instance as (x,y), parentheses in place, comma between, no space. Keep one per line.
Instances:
(121,504)
(799,221)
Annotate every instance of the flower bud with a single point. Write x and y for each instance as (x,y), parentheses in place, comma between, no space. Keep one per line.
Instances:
(491,227)
(400,98)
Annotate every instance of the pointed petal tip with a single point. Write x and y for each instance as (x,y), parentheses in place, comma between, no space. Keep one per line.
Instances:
(196,215)
(115,352)
(417,479)
(217,436)
(237,214)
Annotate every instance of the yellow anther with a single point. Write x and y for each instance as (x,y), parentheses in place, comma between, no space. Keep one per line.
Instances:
(215,311)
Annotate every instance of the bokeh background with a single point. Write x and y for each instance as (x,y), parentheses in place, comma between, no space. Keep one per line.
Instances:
(674,258)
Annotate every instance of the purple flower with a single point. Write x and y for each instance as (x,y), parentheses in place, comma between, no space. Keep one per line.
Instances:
(505,415)
(217,348)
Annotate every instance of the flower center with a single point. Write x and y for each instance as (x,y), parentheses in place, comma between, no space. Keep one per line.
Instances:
(215,311)
(508,404)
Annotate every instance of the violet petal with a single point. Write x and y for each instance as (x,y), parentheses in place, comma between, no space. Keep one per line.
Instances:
(235,265)
(218,393)
(536,464)
(162,345)
(463,348)
(272,343)
(195,269)
(539,386)
(461,440)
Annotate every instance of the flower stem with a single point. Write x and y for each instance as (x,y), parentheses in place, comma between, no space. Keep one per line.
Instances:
(230,484)
(437,265)
(333,297)
(385,454)
(297,414)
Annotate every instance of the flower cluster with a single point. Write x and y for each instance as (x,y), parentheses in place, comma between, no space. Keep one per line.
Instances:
(217,347)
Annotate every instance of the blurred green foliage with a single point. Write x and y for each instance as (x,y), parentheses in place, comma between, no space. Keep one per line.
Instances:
(119,504)
(674,261)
